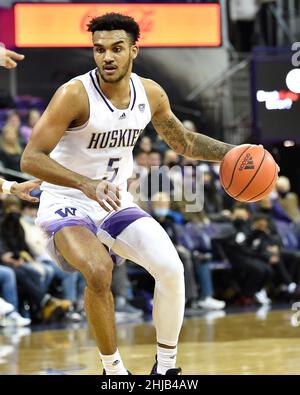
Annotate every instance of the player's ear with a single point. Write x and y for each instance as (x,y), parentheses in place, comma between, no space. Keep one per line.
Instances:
(134,51)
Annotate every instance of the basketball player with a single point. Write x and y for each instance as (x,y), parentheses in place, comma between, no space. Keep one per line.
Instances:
(82,148)
(22,190)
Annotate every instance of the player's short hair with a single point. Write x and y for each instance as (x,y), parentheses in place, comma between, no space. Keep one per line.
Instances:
(115,21)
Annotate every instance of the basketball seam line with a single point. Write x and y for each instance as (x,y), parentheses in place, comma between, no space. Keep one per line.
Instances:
(265,188)
(235,166)
(254,175)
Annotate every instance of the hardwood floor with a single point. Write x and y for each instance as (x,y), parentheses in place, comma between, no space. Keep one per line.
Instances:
(246,343)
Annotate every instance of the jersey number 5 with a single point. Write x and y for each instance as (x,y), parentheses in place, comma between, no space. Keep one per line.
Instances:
(112,167)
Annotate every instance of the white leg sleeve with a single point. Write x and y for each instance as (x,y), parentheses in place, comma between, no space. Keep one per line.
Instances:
(146,243)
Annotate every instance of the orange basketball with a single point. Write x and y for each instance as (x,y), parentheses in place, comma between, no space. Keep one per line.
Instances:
(248,173)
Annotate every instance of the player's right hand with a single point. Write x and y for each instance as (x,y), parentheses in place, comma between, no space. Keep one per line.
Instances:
(23,190)
(8,58)
(103,192)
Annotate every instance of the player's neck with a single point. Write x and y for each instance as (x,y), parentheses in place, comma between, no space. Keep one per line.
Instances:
(119,89)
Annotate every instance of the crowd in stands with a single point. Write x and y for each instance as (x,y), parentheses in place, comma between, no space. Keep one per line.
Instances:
(232,253)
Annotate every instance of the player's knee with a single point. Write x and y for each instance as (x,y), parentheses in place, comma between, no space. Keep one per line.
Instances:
(99,277)
(173,275)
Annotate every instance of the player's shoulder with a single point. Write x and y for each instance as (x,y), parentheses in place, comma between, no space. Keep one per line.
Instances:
(72,88)
(71,93)
(155,94)
(151,87)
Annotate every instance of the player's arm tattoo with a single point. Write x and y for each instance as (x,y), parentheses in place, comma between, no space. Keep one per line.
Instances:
(187,143)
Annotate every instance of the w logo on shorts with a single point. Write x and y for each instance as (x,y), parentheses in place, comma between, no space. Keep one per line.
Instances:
(66,211)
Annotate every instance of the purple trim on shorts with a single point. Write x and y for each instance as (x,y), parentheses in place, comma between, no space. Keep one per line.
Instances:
(118,221)
(54,226)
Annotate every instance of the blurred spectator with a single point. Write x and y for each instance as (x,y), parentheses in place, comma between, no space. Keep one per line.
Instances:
(287,234)
(140,171)
(154,158)
(268,22)
(145,144)
(5,308)
(160,144)
(8,286)
(288,200)
(156,179)
(26,130)
(171,158)
(13,237)
(31,277)
(188,196)
(173,169)
(13,118)
(208,206)
(267,248)
(272,208)
(141,158)
(213,204)
(250,272)
(243,14)
(36,241)
(9,315)
(266,207)
(10,148)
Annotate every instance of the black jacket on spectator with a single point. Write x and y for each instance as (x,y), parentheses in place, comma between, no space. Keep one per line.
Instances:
(10,161)
(12,236)
(259,241)
(12,239)
(249,270)
(231,242)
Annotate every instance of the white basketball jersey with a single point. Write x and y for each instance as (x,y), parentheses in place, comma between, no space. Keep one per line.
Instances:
(102,147)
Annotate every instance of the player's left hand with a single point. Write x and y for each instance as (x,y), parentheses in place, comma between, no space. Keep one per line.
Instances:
(23,189)
(108,195)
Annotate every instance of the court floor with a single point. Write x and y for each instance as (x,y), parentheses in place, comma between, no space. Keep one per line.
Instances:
(258,342)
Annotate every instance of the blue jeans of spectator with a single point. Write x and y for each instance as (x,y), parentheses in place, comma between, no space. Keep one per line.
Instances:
(204,279)
(43,279)
(8,286)
(69,281)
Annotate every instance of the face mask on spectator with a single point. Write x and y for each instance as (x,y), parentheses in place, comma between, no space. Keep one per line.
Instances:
(161,212)
(14,217)
(238,222)
(266,210)
(29,219)
(259,232)
(282,193)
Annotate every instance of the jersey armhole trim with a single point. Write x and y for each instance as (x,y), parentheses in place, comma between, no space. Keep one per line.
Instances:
(77,128)
(80,127)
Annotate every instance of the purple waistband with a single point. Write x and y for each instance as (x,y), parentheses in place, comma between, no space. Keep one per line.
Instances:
(54,226)
(118,221)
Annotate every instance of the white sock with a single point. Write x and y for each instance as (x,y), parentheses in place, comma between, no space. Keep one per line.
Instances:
(113,364)
(166,359)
